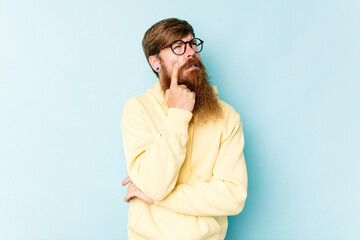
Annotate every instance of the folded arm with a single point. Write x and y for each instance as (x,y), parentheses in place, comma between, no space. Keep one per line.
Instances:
(226,193)
(153,161)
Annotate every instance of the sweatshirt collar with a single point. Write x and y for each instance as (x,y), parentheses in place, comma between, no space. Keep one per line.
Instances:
(156,91)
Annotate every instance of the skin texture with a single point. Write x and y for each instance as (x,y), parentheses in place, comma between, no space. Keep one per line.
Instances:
(134,191)
(179,96)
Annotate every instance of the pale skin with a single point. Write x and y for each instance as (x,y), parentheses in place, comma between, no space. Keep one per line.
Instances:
(177,96)
(134,191)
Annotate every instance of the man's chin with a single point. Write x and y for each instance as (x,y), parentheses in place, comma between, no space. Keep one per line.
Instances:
(190,75)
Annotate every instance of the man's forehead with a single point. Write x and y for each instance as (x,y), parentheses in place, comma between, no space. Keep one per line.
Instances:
(188,37)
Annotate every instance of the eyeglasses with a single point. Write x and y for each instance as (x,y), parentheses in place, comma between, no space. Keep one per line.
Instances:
(179,46)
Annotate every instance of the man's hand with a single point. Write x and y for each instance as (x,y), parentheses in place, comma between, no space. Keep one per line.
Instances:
(134,191)
(179,96)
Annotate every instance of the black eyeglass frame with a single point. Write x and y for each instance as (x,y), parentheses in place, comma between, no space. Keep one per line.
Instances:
(170,45)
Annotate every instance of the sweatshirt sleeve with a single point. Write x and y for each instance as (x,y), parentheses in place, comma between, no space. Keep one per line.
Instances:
(226,193)
(154,159)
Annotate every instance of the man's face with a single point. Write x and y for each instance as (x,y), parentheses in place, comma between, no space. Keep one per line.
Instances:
(169,59)
(193,75)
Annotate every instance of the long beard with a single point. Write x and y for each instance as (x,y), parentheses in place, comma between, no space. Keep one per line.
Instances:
(207,106)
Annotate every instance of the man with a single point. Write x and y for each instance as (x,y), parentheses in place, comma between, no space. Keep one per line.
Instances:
(183,145)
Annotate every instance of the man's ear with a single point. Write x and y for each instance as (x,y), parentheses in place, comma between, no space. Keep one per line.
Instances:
(154,62)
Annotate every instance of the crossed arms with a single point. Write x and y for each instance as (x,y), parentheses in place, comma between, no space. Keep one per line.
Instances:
(153,164)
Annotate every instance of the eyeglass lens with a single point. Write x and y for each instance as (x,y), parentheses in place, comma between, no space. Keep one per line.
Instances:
(179,47)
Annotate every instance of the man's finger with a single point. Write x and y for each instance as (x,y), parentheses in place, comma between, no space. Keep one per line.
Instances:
(126,181)
(130,194)
(175,75)
(128,197)
(131,186)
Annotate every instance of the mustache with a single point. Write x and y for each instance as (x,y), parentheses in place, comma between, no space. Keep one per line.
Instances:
(190,62)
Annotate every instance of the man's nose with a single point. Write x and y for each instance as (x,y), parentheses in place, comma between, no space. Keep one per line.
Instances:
(189,51)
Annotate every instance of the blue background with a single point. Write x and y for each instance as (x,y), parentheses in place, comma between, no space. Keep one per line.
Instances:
(290,68)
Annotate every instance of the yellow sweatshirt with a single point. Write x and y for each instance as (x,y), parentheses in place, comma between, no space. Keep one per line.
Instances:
(196,174)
